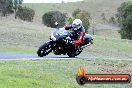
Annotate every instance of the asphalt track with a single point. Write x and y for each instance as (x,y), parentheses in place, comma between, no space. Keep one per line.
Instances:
(20,56)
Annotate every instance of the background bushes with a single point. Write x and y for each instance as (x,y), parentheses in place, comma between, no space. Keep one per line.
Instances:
(51,17)
(25,13)
(6,7)
(83,15)
(124,16)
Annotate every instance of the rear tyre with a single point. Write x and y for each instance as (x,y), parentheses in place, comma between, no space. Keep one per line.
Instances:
(75,52)
(71,54)
(44,49)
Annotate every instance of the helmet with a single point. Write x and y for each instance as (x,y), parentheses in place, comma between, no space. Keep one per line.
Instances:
(77,23)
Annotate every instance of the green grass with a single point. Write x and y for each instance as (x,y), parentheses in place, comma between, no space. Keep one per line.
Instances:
(22,37)
(19,50)
(29,38)
(25,37)
(106,47)
(113,43)
(103,47)
(54,73)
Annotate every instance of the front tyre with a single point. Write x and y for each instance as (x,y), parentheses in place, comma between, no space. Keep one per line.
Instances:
(45,49)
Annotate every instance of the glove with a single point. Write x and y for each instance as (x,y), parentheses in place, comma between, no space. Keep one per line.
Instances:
(77,42)
(80,40)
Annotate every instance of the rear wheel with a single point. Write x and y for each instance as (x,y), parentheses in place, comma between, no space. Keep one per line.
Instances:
(75,52)
(71,54)
(44,49)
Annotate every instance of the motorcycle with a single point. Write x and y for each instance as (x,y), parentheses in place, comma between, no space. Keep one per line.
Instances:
(58,44)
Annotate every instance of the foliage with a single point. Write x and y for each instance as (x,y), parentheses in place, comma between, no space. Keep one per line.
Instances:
(124,16)
(16,4)
(84,16)
(25,13)
(103,16)
(70,20)
(113,21)
(76,12)
(51,17)
(6,7)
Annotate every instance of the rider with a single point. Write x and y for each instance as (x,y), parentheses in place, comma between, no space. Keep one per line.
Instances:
(77,30)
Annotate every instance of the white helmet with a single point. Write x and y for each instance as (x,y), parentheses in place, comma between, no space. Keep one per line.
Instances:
(77,23)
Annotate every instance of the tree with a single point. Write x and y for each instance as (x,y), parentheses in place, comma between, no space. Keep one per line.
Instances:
(16,5)
(84,16)
(124,17)
(113,21)
(6,7)
(76,12)
(50,18)
(104,18)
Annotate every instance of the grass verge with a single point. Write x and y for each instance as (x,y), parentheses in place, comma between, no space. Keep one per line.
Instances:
(18,50)
(57,73)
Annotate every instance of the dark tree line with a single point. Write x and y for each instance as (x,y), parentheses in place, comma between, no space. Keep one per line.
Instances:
(14,6)
(6,7)
(9,6)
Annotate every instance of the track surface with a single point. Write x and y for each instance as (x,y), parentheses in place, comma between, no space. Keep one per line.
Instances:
(19,56)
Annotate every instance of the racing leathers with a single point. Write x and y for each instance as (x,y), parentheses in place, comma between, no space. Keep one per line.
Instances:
(76,34)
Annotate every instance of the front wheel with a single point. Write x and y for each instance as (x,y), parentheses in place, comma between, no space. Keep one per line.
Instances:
(45,49)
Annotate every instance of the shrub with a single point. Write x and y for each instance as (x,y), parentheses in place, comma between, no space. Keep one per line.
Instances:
(70,20)
(16,4)
(103,17)
(25,13)
(84,16)
(51,17)
(124,17)
(6,7)
(76,12)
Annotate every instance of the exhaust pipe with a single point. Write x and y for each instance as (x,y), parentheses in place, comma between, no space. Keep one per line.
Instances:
(87,45)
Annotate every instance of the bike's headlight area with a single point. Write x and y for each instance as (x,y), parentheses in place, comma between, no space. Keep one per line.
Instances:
(52,37)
